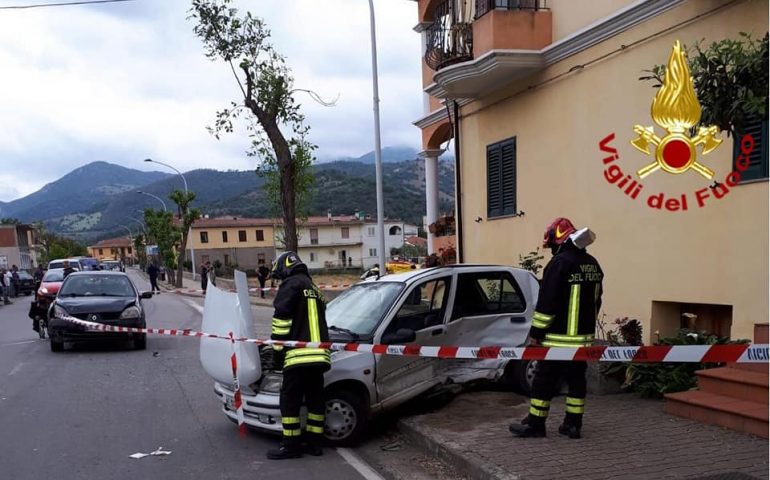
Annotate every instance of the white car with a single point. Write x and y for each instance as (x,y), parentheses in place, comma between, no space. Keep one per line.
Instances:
(462,305)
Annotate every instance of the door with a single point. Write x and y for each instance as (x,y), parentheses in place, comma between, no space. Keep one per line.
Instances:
(423,310)
(489,309)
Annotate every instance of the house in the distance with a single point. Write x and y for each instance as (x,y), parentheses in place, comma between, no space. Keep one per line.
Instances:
(15,246)
(118,248)
(245,242)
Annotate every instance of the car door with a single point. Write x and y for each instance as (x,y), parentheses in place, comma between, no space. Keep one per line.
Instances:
(423,309)
(489,308)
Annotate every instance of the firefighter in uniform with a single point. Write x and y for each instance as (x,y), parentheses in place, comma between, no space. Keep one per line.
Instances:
(300,315)
(565,316)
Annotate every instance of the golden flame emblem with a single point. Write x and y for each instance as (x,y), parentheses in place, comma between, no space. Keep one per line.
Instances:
(676,109)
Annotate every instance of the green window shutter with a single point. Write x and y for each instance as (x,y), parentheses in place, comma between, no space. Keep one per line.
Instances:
(758,160)
(501,178)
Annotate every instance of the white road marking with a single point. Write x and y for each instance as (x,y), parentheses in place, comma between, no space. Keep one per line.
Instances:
(356,462)
(195,306)
(18,343)
(16,369)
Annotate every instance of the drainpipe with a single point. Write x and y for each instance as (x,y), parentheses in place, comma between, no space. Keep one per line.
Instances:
(458,185)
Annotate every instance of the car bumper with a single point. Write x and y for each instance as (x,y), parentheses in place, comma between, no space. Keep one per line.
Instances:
(63,328)
(261,410)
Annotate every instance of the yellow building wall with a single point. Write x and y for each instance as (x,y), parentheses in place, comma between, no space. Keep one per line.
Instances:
(717,254)
(570,16)
(215,237)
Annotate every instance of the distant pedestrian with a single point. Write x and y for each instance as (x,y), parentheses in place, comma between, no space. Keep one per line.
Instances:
(38,275)
(153,272)
(67,268)
(212,273)
(15,280)
(262,273)
(204,276)
(4,286)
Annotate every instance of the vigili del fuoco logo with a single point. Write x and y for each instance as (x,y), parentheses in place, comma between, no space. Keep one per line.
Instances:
(676,110)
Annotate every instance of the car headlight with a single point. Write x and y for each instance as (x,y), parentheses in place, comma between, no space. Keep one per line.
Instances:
(271,383)
(131,312)
(44,291)
(60,312)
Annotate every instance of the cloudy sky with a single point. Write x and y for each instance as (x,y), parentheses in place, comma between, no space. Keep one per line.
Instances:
(126,81)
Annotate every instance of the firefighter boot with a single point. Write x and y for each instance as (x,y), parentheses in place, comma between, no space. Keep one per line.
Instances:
(285,450)
(311,444)
(571,425)
(533,428)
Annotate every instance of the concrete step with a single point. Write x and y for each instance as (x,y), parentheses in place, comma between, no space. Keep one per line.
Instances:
(751,367)
(714,409)
(735,383)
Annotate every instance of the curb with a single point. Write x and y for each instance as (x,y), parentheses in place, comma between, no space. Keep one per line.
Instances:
(466,464)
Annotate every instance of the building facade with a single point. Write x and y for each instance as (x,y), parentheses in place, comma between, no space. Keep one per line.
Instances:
(543,104)
(15,247)
(396,233)
(243,242)
(119,248)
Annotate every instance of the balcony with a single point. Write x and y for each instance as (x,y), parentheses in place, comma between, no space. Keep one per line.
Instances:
(449,40)
(485,6)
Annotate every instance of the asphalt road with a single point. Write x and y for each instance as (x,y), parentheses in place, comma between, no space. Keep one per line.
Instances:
(80,414)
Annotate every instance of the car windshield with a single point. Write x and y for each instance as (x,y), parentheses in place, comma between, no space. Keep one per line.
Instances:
(97,286)
(53,276)
(361,307)
(24,275)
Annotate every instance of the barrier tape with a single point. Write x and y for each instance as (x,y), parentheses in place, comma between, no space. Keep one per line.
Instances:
(238,403)
(330,286)
(734,353)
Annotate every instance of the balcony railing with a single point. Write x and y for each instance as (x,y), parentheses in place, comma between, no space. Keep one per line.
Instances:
(448,39)
(485,6)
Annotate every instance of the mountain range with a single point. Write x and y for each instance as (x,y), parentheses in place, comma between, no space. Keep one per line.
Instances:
(96,200)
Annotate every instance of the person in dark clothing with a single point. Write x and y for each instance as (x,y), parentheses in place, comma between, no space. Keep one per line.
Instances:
(565,316)
(153,272)
(15,280)
(262,273)
(67,269)
(300,314)
(38,275)
(204,277)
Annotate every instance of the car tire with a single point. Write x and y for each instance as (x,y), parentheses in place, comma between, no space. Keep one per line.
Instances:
(57,345)
(347,417)
(140,341)
(520,374)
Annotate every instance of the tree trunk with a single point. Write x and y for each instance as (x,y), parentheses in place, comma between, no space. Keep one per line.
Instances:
(180,259)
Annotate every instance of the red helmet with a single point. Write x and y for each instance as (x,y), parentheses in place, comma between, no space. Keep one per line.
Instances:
(558,232)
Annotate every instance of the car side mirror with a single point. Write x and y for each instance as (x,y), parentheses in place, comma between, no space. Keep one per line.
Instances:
(401,336)
(145,295)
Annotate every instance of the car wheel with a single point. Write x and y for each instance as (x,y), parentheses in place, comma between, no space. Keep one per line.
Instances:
(140,341)
(57,345)
(347,416)
(41,328)
(520,374)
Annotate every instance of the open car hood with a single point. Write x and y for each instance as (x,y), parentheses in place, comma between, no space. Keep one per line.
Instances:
(225,312)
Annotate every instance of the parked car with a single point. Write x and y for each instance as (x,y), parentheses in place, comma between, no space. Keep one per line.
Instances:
(109,298)
(26,283)
(89,263)
(112,265)
(44,296)
(59,263)
(462,305)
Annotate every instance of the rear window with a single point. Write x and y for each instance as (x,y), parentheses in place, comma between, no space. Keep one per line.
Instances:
(53,276)
(97,286)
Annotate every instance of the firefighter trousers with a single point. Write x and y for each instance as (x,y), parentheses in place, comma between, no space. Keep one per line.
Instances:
(548,377)
(303,383)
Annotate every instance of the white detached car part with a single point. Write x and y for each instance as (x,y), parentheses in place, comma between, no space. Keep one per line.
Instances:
(459,305)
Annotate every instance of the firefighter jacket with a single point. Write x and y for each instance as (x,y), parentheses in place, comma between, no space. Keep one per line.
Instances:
(569,300)
(300,315)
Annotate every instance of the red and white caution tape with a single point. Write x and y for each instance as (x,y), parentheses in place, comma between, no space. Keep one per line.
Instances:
(237,388)
(336,286)
(739,352)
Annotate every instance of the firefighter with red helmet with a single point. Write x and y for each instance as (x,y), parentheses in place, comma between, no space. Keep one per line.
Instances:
(300,314)
(565,316)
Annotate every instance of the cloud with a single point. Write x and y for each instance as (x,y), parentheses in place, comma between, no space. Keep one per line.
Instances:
(124,82)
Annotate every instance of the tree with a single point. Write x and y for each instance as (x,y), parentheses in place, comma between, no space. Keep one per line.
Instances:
(141,255)
(10,221)
(188,217)
(267,86)
(160,226)
(730,77)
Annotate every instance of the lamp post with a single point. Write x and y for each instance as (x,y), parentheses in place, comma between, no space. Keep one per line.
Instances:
(377,146)
(141,224)
(189,232)
(155,197)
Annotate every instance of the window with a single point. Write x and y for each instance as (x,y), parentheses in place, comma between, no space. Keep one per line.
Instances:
(487,294)
(129,250)
(423,307)
(224,237)
(345,232)
(260,236)
(312,257)
(241,235)
(101,251)
(204,237)
(313,236)
(227,259)
(261,259)
(757,164)
(372,252)
(370,232)
(395,230)
(501,178)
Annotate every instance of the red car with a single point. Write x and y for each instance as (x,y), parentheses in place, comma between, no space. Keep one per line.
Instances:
(44,296)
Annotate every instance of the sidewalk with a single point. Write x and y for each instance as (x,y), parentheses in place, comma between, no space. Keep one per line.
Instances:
(192,288)
(623,437)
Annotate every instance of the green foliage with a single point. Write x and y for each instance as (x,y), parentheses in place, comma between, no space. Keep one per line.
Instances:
(56,246)
(188,217)
(161,228)
(655,379)
(731,80)
(410,251)
(10,221)
(531,261)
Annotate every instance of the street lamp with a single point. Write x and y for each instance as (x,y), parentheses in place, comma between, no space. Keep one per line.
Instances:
(377,146)
(189,233)
(155,197)
(141,224)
